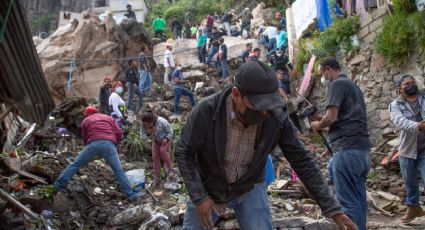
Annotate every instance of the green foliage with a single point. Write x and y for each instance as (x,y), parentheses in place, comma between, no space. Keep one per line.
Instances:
(404,6)
(133,144)
(177,132)
(302,58)
(401,36)
(42,23)
(337,37)
(47,193)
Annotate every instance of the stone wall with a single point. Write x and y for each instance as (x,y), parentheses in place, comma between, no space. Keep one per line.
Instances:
(370,25)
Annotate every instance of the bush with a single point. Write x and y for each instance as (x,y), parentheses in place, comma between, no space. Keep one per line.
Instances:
(337,37)
(404,6)
(401,35)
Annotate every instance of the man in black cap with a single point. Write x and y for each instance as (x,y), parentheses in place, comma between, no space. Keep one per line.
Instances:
(130,13)
(223,149)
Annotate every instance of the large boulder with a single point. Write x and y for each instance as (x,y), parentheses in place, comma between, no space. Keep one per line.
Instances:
(96,56)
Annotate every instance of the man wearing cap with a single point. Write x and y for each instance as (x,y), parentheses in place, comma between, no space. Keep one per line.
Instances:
(223,150)
(347,121)
(101,136)
(130,13)
(408,113)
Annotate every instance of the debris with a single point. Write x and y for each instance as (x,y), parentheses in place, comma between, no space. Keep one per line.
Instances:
(17,204)
(133,215)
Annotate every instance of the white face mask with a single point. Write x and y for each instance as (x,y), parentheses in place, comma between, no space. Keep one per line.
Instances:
(278,54)
(179,68)
(119,90)
(325,82)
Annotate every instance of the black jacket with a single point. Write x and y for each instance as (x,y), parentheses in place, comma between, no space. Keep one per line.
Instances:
(200,155)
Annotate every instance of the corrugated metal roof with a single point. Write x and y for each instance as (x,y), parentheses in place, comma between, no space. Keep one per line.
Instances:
(21,76)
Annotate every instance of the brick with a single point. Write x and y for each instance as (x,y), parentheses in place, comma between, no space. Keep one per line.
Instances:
(378,13)
(375,25)
(366,20)
(363,32)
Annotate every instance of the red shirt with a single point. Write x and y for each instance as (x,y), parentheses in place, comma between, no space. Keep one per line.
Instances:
(100,127)
(210,21)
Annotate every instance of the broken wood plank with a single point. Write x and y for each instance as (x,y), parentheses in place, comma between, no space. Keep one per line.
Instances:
(17,204)
(32,176)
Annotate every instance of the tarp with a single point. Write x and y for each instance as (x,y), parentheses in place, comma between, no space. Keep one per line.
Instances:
(324,19)
(304,13)
(307,77)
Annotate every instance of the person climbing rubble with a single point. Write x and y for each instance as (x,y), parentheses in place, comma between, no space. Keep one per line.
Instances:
(176,27)
(130,13)
(168,63)
(407,112)
(223,149)
(145,83)
(202,46)
(161,133)
(347,121)
(101,135)
(222,59)
(180,89)
(132,80)
(246,23)
(245,54)
(281,20)
(284,85)
(104,94)
(117,104)
(214,44)
(209,24)
(227,19)
(158,25)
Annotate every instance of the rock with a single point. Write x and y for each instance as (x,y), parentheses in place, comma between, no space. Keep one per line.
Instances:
(132,215)
(229,224)
(384,115)
(304,223)
(358,59)
(87,40)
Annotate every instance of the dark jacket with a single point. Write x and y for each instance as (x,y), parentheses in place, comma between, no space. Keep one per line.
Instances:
(200,155)
(215,37)
(132,76)
(176,25)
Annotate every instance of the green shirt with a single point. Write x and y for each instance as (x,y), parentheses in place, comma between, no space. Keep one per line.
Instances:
(202,40)
(193,30)
(158,24)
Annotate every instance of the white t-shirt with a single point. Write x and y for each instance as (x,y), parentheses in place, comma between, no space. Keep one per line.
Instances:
(168,54)
(271,32)
(115,101)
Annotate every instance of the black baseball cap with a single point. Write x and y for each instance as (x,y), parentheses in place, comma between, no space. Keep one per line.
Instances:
(258,82)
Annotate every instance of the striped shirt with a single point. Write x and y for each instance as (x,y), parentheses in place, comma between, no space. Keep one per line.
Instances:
(239,145)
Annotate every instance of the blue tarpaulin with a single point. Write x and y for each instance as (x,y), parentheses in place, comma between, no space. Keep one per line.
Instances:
(324,18)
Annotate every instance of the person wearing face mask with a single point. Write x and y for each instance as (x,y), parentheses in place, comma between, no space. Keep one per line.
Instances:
(104,94)
(347,121)
(180,89)
(223,150)
(408,113)
(116,103)
(161,133)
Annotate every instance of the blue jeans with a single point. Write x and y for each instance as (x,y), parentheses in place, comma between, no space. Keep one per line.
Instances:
(214,50)
(270,176)
(133,89)
(272,44)
(251,209)
(330,170)
(145,83)
(224,71)
(410,169)
(350,170)
(98,148)
(201,54)
(178,92)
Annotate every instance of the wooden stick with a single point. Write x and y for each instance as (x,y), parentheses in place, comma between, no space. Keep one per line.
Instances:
(17,204)
(32,176)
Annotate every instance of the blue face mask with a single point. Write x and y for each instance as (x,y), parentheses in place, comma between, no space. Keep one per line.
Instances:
(119,90)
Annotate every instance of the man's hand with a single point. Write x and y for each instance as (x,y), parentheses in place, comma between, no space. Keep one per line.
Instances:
(164,141)
(203,210)
(344,222)
(421,125)
(315,125)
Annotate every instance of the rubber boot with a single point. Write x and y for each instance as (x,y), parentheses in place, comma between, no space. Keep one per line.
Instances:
(411,213)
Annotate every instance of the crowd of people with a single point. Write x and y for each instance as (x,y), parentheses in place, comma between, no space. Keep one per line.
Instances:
(223,154)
